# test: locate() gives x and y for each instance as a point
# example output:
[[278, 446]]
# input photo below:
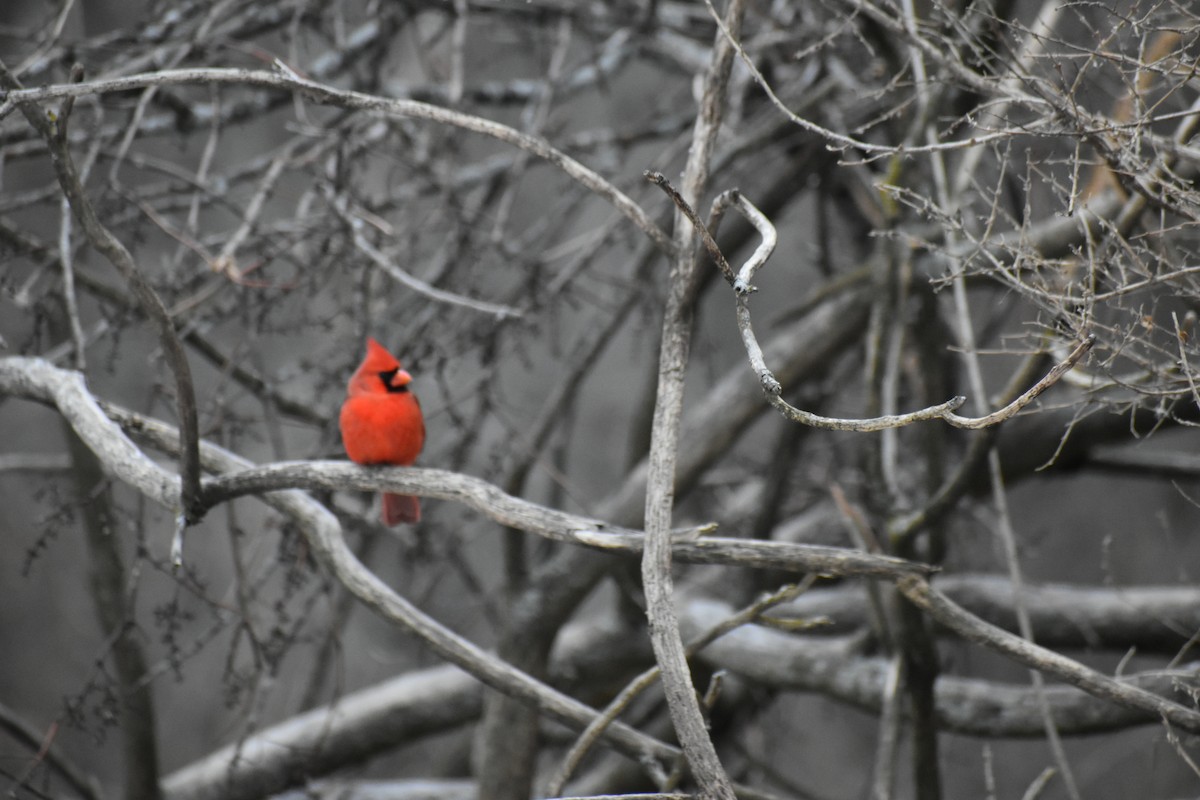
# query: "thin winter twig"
[[743, 287], [888, 743], [965, 330], [381, 260], [706, 236], [839, 141], [358, 101], [191, 504], [647, 679], [42, 743]]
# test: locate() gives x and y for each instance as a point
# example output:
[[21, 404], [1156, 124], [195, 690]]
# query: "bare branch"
[[40, 742], [646, 679], [837, 667], [36, 379], [657, 582], [191, 503], [355, 224], [710, 244], [772, 388], [950, 614], [359, 101]]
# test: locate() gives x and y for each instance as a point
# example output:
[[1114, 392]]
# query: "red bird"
[[381, 423]]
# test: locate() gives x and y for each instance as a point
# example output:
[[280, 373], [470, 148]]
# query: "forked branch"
[[743, 288]]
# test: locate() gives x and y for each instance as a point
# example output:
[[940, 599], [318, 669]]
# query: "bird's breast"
[[382, 429]]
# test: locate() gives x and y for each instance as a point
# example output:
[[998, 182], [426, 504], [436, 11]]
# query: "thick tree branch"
[[950, 614], [838, 667], [36, 379]]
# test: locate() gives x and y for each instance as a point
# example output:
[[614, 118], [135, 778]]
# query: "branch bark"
[[191, 502], [950, 614], [689, 721]]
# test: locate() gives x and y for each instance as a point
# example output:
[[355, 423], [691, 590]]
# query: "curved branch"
[[970, 627], [37, 379], [514, 512], [357, 101], [121, 459], [743, 287], [191, 501]]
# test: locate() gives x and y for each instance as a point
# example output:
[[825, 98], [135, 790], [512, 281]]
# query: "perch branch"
[[37, 379]]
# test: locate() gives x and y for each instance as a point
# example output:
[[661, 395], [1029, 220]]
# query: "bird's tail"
[[399, 508]]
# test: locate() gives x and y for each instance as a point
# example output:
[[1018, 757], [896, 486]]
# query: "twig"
[[743, 287], [1039, 783], [52, 34], [226, 261], [534, 118], [840, 141], [458, 46], [355, 225], [42, 743], [645, 680], [706, 236], [889, 733], [1012, 409], [113, 598], [67, 262], [191, 500], [341, 98], [66, 250], [944, 498], [967, 341], [1032, 47]]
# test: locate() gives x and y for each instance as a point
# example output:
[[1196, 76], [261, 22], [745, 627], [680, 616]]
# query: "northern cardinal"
[[381, 423]]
